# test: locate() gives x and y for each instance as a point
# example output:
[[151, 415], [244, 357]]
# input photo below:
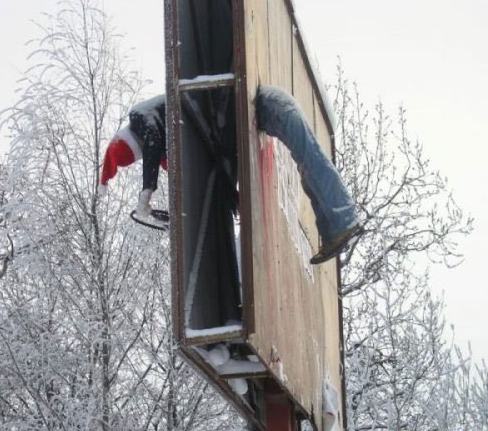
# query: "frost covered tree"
[[398, 359], [85, 335], [6, 244]]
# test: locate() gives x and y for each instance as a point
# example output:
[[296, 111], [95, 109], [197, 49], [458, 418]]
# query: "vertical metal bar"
[[173, 140], [242, 137]]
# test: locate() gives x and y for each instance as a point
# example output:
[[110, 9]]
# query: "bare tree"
[[397, 356], [85, 335], [6, 243]]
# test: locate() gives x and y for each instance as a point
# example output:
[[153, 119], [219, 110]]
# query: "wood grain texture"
[[304, 94], [295, 305], [280, 34]]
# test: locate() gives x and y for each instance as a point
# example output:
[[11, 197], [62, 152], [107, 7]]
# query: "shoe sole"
[[160, 217], [344, 245]]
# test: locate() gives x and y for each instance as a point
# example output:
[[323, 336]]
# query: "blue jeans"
[[279, 115]]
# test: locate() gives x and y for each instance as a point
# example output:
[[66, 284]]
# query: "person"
[[144, 138], [279, 115]]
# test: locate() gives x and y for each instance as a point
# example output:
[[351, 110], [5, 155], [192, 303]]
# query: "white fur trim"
[[131, 140]]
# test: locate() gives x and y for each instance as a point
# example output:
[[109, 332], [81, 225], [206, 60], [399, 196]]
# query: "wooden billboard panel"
[[296, 305], [280, 45], [246, 287], [304, 94]]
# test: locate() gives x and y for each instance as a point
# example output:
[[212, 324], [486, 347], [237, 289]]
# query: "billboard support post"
[[280, 413]]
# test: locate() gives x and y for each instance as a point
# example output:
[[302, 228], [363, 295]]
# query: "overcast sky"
[[429, 55]]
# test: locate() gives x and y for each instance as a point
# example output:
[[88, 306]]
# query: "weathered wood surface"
[[295, 305]]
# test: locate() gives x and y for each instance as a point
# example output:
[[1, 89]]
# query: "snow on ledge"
[[207, 78], [234, 366], [218, 330]]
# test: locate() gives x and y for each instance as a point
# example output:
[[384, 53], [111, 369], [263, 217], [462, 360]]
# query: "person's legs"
[[279, 115], [152, 151], [325, 184], [320, 220]]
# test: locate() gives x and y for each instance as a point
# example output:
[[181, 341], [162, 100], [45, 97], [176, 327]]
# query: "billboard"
[[249, 310]]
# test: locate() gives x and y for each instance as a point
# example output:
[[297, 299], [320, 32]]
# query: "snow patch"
[[148, 109], [219, 355], [218, 330], [238, 385], [207, 78], [234, 366], [330, 406]]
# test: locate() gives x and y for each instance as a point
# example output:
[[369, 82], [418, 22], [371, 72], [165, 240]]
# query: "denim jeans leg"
[[326, 185], [152, 149], [320, 220], [279, 115]]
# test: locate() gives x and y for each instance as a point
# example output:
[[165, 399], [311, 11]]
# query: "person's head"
[[122, 151]]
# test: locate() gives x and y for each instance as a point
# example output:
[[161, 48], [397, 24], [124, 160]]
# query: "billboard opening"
[[209, 181]]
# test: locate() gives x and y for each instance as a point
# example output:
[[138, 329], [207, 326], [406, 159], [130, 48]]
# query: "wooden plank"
[[174, 174], [211, 339], [256, 375], [288, 298], [304, 94], [300, 300], [291, 308], [325, 106], [312, 315], [256, 43], [280, 45], [321, 129], [207, 82], [256, 71]]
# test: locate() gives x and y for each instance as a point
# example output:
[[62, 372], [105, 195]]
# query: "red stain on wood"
[[267, 177], [266, 169]]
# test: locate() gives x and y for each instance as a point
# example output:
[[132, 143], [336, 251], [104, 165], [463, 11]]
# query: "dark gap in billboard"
[[206, 39], [209, 167]]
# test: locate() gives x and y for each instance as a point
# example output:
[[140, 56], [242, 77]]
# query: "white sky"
[[430, 56]]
